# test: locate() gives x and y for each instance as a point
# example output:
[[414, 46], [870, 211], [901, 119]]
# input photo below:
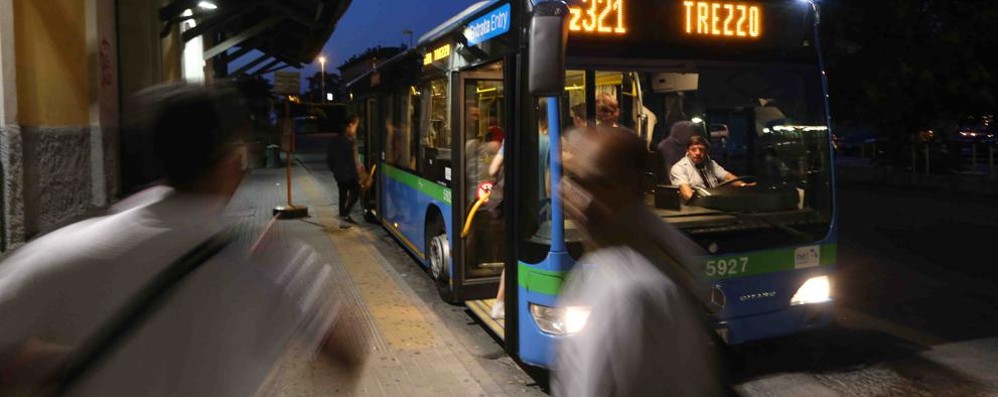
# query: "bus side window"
[[435, 132]]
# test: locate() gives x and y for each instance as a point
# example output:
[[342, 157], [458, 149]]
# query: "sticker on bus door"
[[484, 189], [805, 257]]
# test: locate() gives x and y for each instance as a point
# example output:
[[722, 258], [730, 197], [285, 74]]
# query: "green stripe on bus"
[[715, 268], [540, 281], [740, 265], [424, 186]]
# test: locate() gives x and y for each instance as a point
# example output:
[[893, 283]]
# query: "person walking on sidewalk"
[[159, 298], [344, 161], [646, 331]]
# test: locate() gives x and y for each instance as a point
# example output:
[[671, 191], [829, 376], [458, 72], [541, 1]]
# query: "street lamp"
[[322, 79]]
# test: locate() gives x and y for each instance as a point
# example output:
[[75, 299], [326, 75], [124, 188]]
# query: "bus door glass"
[[484, 130], [367, 125]]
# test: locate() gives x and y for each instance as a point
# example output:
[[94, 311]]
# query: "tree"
[[314, 90], [904, 65], [259, 95]]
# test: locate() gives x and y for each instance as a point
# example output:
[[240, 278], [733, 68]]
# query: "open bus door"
[[546, 79], [370, 153], [483, 114]]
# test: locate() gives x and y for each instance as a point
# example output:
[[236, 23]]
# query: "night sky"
[[368, 23]]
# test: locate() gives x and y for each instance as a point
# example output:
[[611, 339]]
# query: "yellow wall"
[[51, 60]]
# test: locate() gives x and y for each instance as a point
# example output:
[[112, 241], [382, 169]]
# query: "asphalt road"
[[916, 300]]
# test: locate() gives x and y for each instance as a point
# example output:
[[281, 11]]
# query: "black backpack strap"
[[136, 312]]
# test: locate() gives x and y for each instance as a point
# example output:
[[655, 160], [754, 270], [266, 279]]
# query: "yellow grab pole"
[[471, 214]]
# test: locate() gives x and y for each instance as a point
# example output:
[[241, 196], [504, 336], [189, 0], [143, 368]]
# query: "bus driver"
[[697, 170]]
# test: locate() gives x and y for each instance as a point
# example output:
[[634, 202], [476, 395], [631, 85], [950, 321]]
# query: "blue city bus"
[[746, 74]]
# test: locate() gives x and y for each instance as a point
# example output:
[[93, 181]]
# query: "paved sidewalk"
[[413, 352]]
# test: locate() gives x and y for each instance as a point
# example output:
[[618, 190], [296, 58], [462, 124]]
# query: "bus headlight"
[[559, 320], [814, 290]]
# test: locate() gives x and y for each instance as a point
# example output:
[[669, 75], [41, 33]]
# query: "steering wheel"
[[749, 178]]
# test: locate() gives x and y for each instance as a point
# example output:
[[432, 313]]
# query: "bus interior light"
[[814, 290], [559, 320]]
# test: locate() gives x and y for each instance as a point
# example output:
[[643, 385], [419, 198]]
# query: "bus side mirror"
[[548, 37]]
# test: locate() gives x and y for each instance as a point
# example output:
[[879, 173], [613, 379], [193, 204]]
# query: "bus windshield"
[[762, 126]]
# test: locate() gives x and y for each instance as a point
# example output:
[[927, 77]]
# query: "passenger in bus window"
[[495, 169], [607, 110], [494, 133], [698, 170], [645, 329], [579, 115], [394, 146], [673, 148]]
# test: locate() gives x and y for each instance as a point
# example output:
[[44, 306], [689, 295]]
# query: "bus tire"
[[439, 255]]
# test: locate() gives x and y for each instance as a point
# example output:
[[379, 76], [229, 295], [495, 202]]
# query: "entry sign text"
[[722, 19], [490, 25]]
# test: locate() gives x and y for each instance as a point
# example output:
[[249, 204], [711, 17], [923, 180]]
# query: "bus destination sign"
[[722, 19], [708, 19]]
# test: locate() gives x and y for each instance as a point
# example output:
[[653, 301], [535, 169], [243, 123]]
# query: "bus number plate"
[[726, 267]]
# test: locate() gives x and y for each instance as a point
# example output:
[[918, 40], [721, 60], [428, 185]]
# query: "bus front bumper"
[[791, 320]]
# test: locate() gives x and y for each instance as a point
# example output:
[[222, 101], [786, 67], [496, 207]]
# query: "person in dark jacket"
[[673, 148], [344, 162]]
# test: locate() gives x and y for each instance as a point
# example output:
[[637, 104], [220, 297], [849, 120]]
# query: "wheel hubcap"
[[438, 256]]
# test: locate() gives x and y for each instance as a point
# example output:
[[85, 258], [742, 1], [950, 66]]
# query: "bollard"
[[927, 169], [991, 162], [973, 157], [914, 164]]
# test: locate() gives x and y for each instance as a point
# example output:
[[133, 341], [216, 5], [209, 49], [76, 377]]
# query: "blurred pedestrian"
[[159, 298], [344, 160], [646, 331]]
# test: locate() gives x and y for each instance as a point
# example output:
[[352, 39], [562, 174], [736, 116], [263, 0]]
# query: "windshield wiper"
[[804, 237]]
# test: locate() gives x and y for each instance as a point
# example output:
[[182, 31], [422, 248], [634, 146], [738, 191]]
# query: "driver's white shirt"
[[684, 172]]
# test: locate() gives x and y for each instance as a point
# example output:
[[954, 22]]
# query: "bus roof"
[[387, 62], [454, 22]]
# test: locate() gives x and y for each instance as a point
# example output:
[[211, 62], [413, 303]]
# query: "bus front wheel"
[[440, 265]]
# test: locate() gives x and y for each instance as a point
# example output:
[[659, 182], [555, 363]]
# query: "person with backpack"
[[344, 161], [159, 297]]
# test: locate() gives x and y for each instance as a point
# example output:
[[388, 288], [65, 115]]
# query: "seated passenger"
[[697, 170], [673, 148], [607, 110]]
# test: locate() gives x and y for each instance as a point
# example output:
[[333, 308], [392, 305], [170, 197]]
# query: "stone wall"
[[58, 173], [11, 160]]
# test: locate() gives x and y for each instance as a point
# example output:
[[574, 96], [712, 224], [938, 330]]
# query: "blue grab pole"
[[557, 217]]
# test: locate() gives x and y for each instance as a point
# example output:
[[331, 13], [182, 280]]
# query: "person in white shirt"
[[646, 332], [220, 330]]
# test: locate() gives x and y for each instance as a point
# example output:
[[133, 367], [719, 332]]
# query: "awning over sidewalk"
[[287, 32]]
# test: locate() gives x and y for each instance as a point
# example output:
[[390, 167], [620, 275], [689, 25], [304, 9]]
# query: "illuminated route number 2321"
[[598, 16]]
